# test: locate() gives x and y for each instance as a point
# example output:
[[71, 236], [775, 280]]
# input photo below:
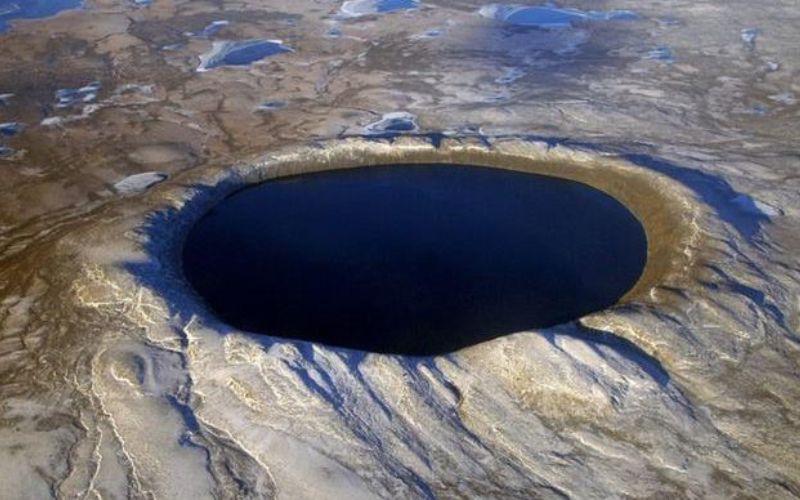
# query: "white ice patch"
[[749, 37], [86, 112], [756, 207], [139, 182], [210, 30], [549, 17], [786, 98], [358, 8], [397, 121], [66, 98], [10, 129], [271, 105]]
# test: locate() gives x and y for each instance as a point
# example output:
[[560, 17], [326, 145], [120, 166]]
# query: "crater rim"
[[664, 207]]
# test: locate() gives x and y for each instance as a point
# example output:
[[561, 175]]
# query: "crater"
[[415, 259]]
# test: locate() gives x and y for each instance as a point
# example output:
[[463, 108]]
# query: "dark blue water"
[[32, 9], [245, 53], [544, 17], [393, 5], [418, 260], [550, 17], [10, 129], [271, 105]]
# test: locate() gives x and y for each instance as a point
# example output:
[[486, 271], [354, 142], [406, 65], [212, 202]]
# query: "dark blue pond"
[[393, 5], [420, 260], [241, 53], [550, 17], [32, 9], [359, 8], [247, 54]]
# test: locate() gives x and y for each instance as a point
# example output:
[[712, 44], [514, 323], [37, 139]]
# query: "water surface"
[[32, 9], [413, 259]]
